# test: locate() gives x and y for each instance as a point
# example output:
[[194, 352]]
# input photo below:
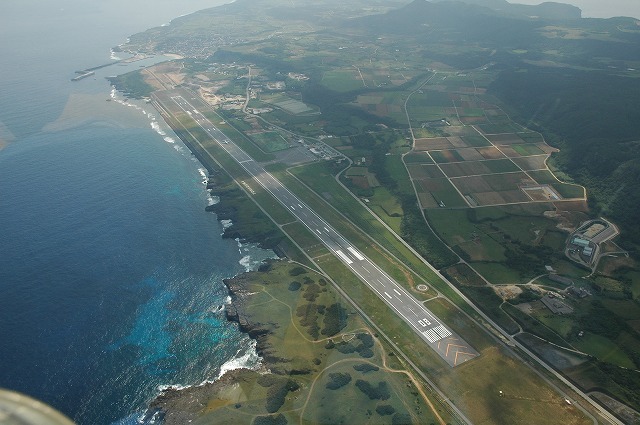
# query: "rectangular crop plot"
[[508, 181], [427, 200], [442, 191], [492, 182], [470, 154], [476, 140], [531, 137], [471, 112], [488, 198], [546, 148], [357, 171], [458, 130], [498, 128], [505, 139], [436, 143], [457, 142], [424, 171], [531, 162], [542, 193], [527, 150], [431, 99], [293, 106], [500, 197], [418, 158], [501, 166], [509, 151], [543, 176], [461, 169], [490, 153], [446, 156], [473, 120], [512, 196], [468, 185]]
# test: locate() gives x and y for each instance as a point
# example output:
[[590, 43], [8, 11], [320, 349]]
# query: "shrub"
[[277, 393], [338, 380], [296, 271], [335, 319], [380, 392], [385, 410], [366, 367], [294, 286]]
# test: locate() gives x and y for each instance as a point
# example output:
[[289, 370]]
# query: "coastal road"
[[450, 346]]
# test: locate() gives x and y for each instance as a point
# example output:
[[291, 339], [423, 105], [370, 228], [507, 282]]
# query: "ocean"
[[110, 268]]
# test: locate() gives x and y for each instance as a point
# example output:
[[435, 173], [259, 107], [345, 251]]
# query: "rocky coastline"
[[249, 224], [179, 405]]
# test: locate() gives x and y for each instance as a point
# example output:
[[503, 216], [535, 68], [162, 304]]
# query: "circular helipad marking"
[[422, 288]]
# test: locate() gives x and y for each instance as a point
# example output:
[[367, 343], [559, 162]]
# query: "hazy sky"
[[598, 8]]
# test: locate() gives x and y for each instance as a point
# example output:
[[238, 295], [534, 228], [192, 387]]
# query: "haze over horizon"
[[598, 8]]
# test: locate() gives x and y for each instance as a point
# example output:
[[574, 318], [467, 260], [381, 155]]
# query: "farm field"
[[482, 158]]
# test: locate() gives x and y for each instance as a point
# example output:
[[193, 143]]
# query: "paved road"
[[450, 346]]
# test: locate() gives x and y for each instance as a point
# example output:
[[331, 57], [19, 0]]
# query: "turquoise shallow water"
[[110, 269]]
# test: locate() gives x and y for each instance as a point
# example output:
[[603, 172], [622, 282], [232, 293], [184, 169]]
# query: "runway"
[[437, 335]]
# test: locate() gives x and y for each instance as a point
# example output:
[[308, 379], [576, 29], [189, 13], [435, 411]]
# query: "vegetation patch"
[[338, 380], [374, 392]]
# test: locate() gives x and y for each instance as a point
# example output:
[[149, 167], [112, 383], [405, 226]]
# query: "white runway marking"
[[343, 256], [355, 253]]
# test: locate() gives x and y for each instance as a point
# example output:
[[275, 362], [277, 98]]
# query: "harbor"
[[88, 72]]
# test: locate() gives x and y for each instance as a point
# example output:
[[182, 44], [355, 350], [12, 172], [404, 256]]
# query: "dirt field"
[[461, 169], [470, 154], [531, 162], [490, 153], [457, 142], [436, 143], [446, 156]]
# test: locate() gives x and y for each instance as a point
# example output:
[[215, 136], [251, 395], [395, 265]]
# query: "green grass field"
[[567, 190], [342, 80], [498, 273], [475, 385], [603, 349], [418, 158], [270, 141], [526, 150], [321, 350]]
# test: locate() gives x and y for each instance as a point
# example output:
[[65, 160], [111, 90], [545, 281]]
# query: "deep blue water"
[[110, 269]]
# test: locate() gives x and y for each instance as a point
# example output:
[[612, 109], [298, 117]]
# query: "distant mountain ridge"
[[462, 21], [546, 10]]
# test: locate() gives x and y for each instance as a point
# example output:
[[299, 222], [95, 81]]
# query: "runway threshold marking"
[[343, 256], [453, 345], [355, 253], [455, 361]]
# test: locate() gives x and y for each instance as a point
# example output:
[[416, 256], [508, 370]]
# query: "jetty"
[[83, 74], [91, 71]]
